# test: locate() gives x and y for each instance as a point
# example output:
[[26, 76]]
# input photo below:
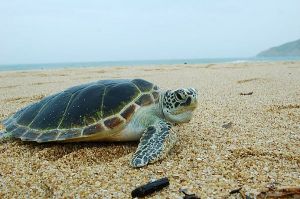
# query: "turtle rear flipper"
[[4, 136], [3, 133], [155, 143]]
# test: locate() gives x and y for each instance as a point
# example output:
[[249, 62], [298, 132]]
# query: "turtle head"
[[178, 105]]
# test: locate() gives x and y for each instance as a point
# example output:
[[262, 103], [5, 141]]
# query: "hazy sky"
[[33, 31]]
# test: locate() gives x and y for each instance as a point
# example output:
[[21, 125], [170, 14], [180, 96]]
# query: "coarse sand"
[[245, 133]]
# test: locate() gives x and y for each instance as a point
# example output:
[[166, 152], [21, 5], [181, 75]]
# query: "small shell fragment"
[[249, 93], [189, 196], [227, 125], [235, 191]]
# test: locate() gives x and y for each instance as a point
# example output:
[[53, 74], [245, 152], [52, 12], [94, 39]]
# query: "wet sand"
[[245, 133]]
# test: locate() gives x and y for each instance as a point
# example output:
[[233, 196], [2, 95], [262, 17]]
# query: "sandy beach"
[[245, 133]]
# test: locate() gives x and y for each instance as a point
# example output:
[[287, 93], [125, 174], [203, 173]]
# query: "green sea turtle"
[[108, 110]]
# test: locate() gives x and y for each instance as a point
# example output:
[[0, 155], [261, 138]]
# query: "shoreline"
[[201, 65], [147, 63]]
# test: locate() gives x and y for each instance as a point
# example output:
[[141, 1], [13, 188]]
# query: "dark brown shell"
[[82, 111]]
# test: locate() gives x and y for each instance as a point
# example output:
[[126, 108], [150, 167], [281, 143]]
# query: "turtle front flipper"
[[155, 143]]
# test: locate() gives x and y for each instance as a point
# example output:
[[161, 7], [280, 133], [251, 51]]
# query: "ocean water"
[[45, 66]]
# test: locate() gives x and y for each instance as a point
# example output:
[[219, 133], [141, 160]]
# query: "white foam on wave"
[[239, 61]]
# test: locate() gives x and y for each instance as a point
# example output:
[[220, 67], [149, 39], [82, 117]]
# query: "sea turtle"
[[108, 110]]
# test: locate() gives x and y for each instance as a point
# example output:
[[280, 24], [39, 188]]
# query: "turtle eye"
[[179, 96]]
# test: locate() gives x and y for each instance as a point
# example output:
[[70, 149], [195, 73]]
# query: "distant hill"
[[288, 49]]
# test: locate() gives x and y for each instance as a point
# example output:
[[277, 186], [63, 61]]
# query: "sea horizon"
[[154, 62]]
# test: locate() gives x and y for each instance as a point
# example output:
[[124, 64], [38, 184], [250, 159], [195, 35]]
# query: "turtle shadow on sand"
[[88, 153]]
